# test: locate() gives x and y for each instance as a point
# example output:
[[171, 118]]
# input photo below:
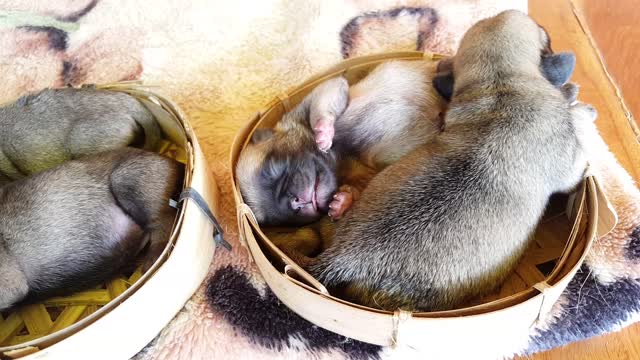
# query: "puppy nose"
[[296, 203]]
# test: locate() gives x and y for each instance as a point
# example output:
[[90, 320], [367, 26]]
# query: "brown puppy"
[[79, 224]]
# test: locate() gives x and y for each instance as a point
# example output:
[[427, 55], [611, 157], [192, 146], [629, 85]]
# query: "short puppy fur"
[[288, 175], [45, 129], [286, 180], [450, 220], [79, 224]]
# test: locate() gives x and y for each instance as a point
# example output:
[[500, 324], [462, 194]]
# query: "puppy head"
[[284, 178], [508, 42]]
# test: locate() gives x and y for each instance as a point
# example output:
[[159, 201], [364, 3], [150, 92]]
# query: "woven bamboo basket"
[[128, 312], [561, 242]]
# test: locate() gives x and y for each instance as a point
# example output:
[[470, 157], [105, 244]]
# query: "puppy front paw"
[[342, 201], [328, 101]]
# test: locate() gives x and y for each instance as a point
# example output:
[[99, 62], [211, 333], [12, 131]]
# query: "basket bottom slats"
[[31, 322]]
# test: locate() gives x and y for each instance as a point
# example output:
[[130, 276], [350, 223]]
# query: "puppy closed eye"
[[273, 169]]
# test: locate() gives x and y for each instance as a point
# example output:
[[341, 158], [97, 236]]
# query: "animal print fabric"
[[221, 62]]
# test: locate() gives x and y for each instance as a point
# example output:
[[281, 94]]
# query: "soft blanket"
[[221, 62]]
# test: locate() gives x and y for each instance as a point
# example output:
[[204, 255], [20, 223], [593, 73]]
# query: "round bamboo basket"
[[561, 242], [128, 312]]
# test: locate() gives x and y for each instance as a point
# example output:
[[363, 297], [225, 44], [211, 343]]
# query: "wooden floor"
[[613, 27]]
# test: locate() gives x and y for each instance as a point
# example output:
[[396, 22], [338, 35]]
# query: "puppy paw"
[[323, 132], [342, 201]]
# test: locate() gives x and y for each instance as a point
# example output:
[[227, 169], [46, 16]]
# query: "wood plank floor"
[[614, 25], [564, 20]]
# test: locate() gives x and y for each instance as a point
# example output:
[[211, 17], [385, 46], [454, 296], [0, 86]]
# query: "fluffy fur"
[[80, 223], [458, 211], [47, 128], [383, 117]]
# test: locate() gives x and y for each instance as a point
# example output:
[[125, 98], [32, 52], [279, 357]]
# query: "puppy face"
[[284, 178]]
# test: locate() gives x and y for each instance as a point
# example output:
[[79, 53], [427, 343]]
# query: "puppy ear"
[[443, 83], [557, 68], [260, 135], [443, 80]]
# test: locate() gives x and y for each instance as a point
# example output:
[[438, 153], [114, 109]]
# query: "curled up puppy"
[[80, 223], [45, 129], [449, 221], [378, 120], [290, 175]]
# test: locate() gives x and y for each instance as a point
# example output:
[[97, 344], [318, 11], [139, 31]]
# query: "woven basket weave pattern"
[[31, 322]]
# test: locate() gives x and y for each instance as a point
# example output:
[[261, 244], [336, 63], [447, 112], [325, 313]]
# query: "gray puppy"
[[78, 224], [47, 128], [449, 221]]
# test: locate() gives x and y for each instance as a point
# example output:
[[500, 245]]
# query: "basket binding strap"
[[588, 171], [244, 211], [546, 304], [399, 318], [428, 55], [193, 194]]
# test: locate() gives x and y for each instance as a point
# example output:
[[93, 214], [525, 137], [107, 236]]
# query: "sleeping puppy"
[[42, 130], [449, 221], [284, 177], [288, 175], [77, 225]]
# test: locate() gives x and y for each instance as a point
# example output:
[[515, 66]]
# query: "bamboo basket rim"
[[600, 219], [140, 92]]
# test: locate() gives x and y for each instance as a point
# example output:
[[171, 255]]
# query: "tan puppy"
[[288, 175], [383, 117], [450, 220]]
